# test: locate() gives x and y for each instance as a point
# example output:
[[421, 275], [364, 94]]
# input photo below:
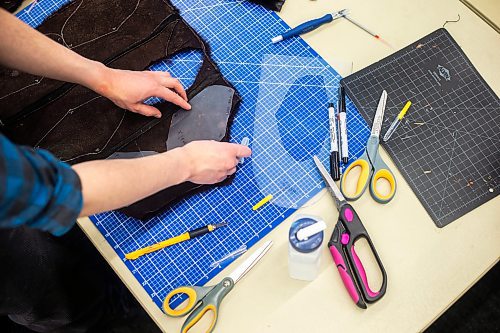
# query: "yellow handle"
[[404, 110], [362, 180], [177, 239], [387, 175], [192, 299], [190, 322]]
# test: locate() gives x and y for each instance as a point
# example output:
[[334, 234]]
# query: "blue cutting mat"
[[285, 90]]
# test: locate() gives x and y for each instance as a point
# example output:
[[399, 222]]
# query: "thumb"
[[241, 150]]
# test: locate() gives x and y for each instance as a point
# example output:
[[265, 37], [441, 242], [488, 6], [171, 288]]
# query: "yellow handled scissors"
[[203, 299], [372, 166]]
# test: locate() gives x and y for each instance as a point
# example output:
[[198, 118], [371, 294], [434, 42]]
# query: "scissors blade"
[[330, 184], [248, 264], [379, 115]]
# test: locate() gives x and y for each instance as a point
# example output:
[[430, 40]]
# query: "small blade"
[[330, 184], [248, 264], [379, 115], [340, 13], [220, 225]]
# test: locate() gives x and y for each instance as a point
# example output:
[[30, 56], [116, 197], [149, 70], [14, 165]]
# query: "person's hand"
[[128, 90], [210, 162]]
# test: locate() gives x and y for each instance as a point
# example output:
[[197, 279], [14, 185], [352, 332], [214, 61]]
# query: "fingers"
[[221, 179], [177, 86], [178, 96], [159, 74], [171, 96], [147, 110], [231, 171], [241, 150], [169, 82]]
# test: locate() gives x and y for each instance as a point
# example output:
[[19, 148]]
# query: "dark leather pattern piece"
[[207, 119], [149, 207], [120, 25], [78, 125], [10, 5], [82, 125], [270, 4]]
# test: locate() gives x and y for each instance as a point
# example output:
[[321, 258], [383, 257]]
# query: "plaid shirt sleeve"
[[37, 190]]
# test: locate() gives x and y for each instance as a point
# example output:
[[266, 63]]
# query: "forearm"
[[112, 184], [27, 50]]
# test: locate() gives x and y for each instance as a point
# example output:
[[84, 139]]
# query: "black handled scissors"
[[347, 231]]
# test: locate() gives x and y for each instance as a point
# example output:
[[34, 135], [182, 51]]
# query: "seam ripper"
[[397, 121], [310, 25]]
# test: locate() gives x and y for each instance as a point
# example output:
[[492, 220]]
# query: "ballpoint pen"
[[310, 25], [396, 121], [334, 146], [344, 147]]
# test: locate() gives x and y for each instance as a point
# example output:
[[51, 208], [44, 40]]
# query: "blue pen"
[[310, 25]]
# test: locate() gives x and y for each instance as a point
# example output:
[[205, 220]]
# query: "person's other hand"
[[129, 89], [210, 162]]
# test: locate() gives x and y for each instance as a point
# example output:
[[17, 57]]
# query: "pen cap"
[[404, 110], [341, 102], [334, 165]]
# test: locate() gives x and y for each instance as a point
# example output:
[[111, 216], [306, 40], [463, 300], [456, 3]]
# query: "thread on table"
[[452, 21]]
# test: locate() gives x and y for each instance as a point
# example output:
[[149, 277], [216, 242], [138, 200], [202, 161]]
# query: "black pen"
[[334, 146], [344, 149]]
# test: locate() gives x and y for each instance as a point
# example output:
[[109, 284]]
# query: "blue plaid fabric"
[[37, 190]]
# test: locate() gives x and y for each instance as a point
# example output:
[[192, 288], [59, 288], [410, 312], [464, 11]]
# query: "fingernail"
[[158, 115]]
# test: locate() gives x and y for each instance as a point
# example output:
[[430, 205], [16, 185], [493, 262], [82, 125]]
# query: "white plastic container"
[[304, 247]]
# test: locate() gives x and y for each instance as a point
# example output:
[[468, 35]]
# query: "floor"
[[477, 311]]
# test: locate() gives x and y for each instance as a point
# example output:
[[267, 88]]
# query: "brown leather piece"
[[76, 124], [10, 5], [83, 125], [121, 24]]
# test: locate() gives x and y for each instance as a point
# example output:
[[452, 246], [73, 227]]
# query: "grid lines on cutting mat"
[[239, 35], [448, 145]]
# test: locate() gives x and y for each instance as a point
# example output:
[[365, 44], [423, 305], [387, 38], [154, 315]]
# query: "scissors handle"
[[382, 171], [362, 182], [357, 231], [202, 299], [194, 295], [373, 168], [347, 231], [340, 260]]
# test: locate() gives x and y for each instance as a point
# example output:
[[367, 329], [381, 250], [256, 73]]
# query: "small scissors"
[[347, 231], [372, 166], [203, 299]]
